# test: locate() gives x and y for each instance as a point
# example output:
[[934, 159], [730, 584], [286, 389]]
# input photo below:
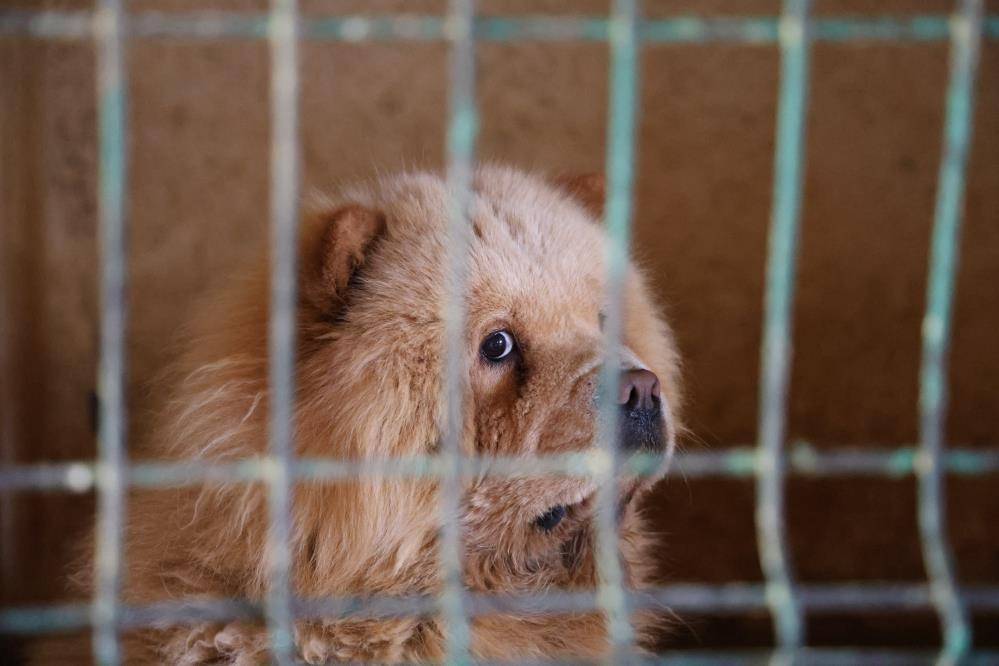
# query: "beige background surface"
[[198, 201]]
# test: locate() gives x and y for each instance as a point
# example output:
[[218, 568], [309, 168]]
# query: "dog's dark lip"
[[551, 518], [569, 508]]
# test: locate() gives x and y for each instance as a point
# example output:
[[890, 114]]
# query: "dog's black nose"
[[641, 424], [639, 390]]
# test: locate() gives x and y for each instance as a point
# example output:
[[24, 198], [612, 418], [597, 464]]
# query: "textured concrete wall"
[[199, 175]]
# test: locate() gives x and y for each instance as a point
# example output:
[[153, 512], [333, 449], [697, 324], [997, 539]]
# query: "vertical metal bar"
[[966, 34], [462, 129], [283, 32], [112, 176], [620, 169], [776, 348]]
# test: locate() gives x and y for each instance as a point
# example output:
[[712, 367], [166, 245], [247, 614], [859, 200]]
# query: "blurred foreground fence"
[[769, 461]]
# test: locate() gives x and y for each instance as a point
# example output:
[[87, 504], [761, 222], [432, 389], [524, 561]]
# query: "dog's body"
[[369, 366]]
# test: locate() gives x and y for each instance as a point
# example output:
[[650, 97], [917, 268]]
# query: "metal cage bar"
[[111, 452], [966, 30], [738, 462], [283, 30], [620, 161], [426, 27], [692, 598], [461, 133], [775, 352]]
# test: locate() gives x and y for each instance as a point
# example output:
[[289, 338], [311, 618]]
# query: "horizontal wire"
[[686, 598], [808, 655], [416, 27], [739, 462]]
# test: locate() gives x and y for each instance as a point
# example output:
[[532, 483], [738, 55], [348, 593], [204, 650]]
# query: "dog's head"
[[374, 288]]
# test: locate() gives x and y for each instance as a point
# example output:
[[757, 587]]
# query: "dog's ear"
[[341, 241], [588, 189]]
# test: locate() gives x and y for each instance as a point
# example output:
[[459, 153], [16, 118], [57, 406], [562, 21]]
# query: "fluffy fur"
[[369, 362]]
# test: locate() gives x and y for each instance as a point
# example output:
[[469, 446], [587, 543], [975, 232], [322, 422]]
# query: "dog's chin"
[[654, 466], [629, 485], [630, 490]]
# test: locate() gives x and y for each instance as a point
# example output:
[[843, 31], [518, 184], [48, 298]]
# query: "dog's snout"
[[641, 418], [639, 390]]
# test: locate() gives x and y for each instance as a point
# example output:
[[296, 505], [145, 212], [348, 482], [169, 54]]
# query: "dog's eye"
[[497, 346], [551, 518]]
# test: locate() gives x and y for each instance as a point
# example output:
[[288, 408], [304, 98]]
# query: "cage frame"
[[769, 461]]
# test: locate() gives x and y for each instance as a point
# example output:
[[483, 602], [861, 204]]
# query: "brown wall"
[[198, 200]]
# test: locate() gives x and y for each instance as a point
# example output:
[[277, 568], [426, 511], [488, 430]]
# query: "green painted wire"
[[113, 175], [966, 34], [775, 351], [283, 31], [461, 133], [429, 27], [737, 462], [623, 112]]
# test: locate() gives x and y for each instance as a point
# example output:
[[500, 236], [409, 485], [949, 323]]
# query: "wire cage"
[[769, 462]]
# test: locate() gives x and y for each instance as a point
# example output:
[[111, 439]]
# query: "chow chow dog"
[[368, 378]]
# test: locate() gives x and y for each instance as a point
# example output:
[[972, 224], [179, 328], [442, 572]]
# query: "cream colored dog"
[[369, 364]]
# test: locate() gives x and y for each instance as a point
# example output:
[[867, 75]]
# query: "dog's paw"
[[233, 644], [382, 641]]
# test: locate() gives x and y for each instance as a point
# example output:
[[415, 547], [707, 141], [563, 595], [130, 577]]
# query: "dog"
[[369, 366]]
